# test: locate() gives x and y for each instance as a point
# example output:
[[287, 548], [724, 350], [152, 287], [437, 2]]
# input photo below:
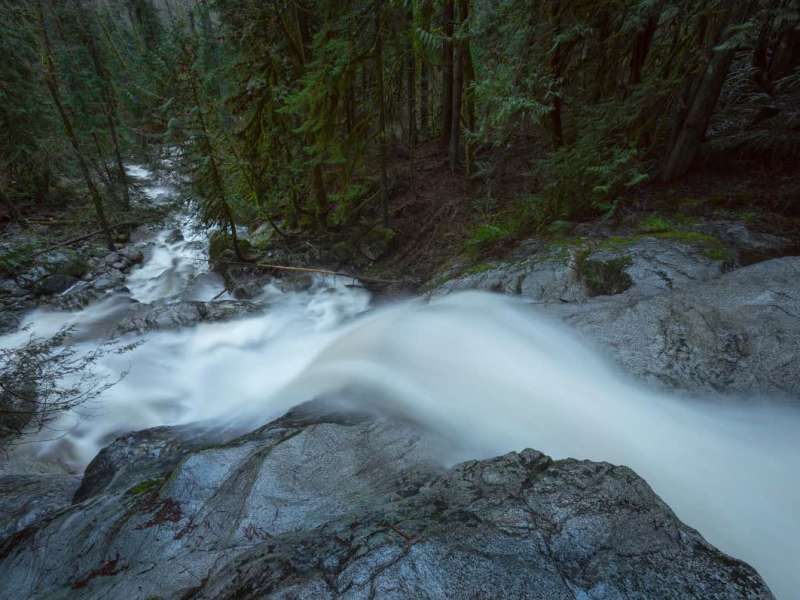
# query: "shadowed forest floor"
[[434, 212]]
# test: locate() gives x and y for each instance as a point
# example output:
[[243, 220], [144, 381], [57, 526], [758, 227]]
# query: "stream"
[[489, 374]]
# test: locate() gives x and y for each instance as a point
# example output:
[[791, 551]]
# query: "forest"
[[426, 299], [337, 121]]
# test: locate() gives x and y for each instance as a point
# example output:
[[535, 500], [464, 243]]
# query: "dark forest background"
[[346, 120]]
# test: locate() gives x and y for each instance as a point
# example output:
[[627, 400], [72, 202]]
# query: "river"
[[489, 374]]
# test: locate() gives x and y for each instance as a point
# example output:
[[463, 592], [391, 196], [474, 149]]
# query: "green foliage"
[[144, 487], [28, 150], [281, 110], [484, 236], [655, 224], [587, 179]]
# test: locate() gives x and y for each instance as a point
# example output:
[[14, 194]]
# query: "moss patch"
[[712, 247], [654, 223], [603, 277], [479, 268], [145, 486], [484, 237]]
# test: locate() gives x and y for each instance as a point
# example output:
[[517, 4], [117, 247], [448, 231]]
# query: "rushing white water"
[[489, 374]]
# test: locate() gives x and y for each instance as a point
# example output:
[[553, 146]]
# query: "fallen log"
[[80, 239]]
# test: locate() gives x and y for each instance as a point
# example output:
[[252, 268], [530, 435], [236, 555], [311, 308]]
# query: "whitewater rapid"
[[488, 373]]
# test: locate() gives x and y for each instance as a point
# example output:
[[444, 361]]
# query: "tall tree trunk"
[[642, 42], [556, 72], [51, 80], [469, 77], [300, 43], [106, 172], [350, 108], [320, 193], [216, 176], [702, 101], [109, 103], [317, 174], [448, 13], [424, 76], [382, 109], [458, 90], [600, 85], [786, 53], [412, 85], [760, 58]]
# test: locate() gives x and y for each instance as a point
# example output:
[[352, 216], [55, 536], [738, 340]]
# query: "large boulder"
[[323, 503], [63, 261], [637, 266], [55, 284], [737, 333]]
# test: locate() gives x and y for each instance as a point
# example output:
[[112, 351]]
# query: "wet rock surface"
[[67, 280], [634, 264], [681, 311], [737, 333], [24, 499], [326, 504], [164, 315], [576, 274]]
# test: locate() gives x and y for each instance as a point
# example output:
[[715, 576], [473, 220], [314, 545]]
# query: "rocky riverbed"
[[325, 503], [340, 498]]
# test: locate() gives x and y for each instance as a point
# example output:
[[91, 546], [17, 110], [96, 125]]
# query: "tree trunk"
[[382, 108], [556, 71], [106, 172], [785, 55], [320, 194], [412, 85], [448, 14], [760, 59], [51, 80], [469, 77], [701, 104], [642, 43], [458, 91], [216, 176], [302, 55], [109, 102], [350, 108], [424, 76], [600, 85]]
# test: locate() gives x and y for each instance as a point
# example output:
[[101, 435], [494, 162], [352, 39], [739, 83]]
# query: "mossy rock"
[[61, 261], [219, 242], [712, 247], [262, 237], [65, 262], [604, 277]]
